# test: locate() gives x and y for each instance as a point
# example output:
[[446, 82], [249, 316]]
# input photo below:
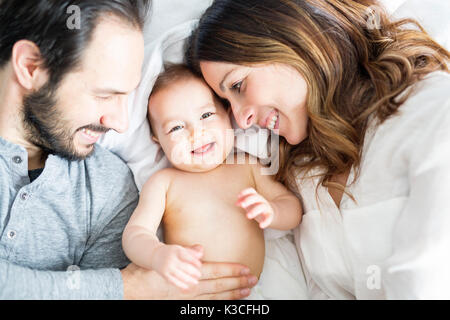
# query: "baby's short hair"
[[172, 74]]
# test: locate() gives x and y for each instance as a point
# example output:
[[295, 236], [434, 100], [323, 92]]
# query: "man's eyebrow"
[[110, 91], [222, 86]]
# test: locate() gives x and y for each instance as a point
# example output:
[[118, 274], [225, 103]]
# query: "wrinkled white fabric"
[[394, 241], [282, 276]]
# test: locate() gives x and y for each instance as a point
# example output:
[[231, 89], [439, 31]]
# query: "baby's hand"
[[256, 206], [178, 265]]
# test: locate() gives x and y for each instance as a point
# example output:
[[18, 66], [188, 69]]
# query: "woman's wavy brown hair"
[[355, 65]]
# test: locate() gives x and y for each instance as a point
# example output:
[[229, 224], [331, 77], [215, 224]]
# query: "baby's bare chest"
[[196, 200], [202, 210]]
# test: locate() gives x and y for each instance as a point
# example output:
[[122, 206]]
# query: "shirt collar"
[[8, 148]]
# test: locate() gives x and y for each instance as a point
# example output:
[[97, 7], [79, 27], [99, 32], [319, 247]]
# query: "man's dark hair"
[[44, 22]]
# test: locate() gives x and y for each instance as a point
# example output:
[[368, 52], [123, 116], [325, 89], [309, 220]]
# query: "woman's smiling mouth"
[[272, 121]]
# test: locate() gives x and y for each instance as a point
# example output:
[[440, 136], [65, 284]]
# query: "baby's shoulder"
[[160, 179]]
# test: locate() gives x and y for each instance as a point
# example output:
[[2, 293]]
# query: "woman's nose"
[[245, 118]]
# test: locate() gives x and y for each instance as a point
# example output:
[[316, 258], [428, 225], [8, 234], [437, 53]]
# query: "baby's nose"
[[197, 133]]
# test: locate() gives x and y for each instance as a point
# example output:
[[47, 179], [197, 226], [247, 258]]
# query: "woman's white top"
[[394, 242]]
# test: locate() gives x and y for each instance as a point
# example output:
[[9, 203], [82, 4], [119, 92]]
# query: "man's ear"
[[27, 63]]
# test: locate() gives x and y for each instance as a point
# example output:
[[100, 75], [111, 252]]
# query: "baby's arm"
[[270, 203], [179, 265]]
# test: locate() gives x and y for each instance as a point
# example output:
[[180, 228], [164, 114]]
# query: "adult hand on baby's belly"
[[219, 281], [178, 265], [230, 237]]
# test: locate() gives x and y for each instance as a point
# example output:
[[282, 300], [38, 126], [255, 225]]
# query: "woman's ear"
[[27, 64]]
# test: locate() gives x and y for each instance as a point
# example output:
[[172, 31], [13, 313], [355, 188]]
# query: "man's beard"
[[45, 128]]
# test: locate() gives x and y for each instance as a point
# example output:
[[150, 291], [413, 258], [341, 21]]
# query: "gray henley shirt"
[[61, 236]]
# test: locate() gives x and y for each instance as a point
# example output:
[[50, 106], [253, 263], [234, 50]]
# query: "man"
[[64, 201]]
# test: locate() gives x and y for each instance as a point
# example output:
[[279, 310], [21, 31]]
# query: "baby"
[[204, 199]]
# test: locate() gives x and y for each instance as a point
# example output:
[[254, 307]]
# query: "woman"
[[364, 111]]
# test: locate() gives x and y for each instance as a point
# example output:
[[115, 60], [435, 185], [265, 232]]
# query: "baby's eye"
[[107, 98], [175, 129], [237, 86], [207, 115]]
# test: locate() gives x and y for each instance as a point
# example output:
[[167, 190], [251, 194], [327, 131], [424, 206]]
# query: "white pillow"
[[170, 23], [433, 15], [392, 5]]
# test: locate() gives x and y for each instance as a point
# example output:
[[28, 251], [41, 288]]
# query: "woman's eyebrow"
[[222, 86]]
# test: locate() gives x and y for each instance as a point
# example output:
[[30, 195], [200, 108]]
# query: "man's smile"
[[89, 136]]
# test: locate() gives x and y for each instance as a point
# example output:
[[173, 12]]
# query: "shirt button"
[[24, 196], [17, 160], [11, 234]]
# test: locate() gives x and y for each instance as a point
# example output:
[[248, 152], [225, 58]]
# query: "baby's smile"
[[207, 148]]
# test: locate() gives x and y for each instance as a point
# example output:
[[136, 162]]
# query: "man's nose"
[[116, 117]]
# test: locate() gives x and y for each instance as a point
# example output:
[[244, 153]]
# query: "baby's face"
[[191, 125]]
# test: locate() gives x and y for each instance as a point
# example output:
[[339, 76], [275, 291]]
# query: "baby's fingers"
[[177, 282], [182, 279], [266, 221], [261, 213], [191, 270], [191, 257], [246, 192], [249, 200], [257, 210]]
